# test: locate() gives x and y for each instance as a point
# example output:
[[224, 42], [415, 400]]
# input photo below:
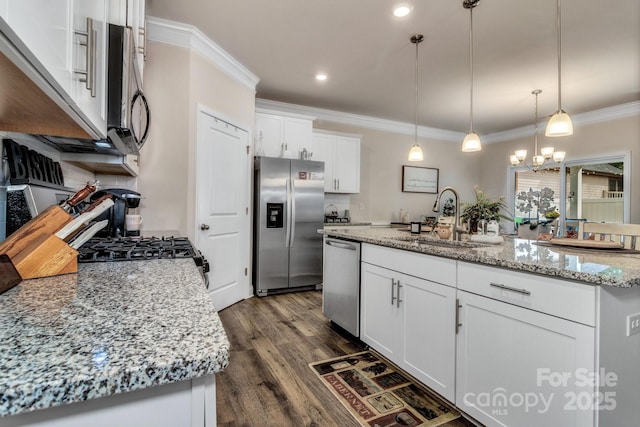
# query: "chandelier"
[[546, 153]]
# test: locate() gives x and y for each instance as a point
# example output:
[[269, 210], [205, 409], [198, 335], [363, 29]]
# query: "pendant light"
[[415, 154], [560, 123], [546, 153], [472, 140]]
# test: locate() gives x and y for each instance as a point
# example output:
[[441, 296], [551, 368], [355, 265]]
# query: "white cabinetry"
[[65, 41], [522, 367], [409, 319], [283, 136], [89, 50], [341, 157]]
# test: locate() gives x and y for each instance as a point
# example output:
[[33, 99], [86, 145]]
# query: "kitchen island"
[[515, 334], [123, 343], [619, 268]]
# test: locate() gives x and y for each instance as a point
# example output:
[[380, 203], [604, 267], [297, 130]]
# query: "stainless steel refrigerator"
[[288, 212]]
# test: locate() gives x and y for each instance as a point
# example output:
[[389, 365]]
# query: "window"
[[589, 189]]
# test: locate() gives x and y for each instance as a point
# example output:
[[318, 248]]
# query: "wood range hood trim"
[[30, 99]]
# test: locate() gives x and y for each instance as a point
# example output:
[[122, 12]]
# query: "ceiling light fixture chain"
[[471, 142], [415, 154]]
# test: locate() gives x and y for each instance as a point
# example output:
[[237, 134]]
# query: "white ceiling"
[[371, 63]]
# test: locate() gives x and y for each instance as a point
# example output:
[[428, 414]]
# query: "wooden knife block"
[[35, 250]]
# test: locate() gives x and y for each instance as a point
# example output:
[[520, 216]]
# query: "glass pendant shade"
[[538, 160], [415, 154], [521, 154], [547, 152], [514, 160], [558, 156], [559, 125], [471, 143]]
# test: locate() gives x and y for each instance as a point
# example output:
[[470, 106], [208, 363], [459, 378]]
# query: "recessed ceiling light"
[[402, 10], [321, 77]]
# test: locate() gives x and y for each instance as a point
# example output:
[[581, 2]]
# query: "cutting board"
[[596, 244]]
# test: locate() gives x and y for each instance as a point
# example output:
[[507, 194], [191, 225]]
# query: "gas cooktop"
[[104, 249]]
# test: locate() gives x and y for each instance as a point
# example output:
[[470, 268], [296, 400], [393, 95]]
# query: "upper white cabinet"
[[131, 13], [46, 29], [341, 157], [66, 42], [89, 63], [283, 136]]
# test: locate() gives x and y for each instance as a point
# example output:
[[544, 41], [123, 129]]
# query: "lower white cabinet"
[[411, 321], [519, 367]]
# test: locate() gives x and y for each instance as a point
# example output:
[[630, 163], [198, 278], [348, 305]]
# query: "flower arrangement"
[[542, 201], [485, 208]]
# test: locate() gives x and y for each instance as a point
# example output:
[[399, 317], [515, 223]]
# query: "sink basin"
[[421, 240]]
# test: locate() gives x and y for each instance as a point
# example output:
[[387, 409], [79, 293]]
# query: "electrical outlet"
[[633, 324], [361, 206]]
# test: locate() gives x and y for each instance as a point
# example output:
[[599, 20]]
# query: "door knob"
[[204, 226]]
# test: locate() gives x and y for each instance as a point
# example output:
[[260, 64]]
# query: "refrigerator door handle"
[[287, 238], [292, 184]]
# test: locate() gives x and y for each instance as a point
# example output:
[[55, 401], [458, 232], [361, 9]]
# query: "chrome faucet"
[[457, 228]]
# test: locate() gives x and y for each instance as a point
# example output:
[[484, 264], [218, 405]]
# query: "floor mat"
[[379, 395]]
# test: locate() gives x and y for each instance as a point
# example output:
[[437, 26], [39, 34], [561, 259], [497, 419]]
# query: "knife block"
[[35, 250]]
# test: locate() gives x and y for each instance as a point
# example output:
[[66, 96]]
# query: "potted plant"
[[484, 208], [542, 201]]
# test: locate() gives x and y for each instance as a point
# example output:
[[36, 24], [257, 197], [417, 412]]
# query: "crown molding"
[[591, 117], [189, 37], [367, 122], [361, 121]]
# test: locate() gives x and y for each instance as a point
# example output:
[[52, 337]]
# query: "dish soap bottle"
[[493, 228]]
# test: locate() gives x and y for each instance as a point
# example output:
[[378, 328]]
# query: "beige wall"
[[588, 141], [382, 157], [384, 153], [176, 81]]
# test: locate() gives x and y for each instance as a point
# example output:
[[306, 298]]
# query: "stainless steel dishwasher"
[[341, 284]]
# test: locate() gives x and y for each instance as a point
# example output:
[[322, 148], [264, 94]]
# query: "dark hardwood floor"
[[268, 382]]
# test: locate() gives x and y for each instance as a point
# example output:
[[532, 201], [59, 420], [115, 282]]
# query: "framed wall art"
[[419, 180]]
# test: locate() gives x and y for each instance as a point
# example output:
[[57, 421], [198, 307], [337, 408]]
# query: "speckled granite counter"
[[600, 267], [110, 328], [346, 224]]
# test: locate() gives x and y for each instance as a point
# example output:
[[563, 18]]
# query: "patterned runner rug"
[[378, 395]]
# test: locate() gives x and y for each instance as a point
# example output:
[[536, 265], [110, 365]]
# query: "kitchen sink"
[[422, 240]]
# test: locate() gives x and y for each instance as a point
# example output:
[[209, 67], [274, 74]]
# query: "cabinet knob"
[[204, 226]]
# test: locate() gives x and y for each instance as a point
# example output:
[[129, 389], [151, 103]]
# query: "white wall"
[[588, 141], [177, 80], [382, 156]]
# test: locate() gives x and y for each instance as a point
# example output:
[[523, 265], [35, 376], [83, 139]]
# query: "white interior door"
[[222, 208]]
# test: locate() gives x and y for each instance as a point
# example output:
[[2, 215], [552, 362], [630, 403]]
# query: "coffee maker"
[[123, 200]]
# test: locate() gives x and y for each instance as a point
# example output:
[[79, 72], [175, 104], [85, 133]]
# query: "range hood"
[[34, 105]]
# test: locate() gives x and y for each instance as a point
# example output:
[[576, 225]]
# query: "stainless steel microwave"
[[128, 115]]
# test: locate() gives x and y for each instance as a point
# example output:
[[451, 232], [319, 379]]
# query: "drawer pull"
[[393, 296], [509, 288]]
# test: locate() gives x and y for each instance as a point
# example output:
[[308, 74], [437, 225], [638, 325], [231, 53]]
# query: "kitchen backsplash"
[[340, 201], [74, 177]]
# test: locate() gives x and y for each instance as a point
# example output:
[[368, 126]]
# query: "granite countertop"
[[343, 224], [110, 328], [619, 268]]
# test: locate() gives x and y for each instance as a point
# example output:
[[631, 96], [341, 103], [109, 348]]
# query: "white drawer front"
[[435, 269], [561, 298]]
